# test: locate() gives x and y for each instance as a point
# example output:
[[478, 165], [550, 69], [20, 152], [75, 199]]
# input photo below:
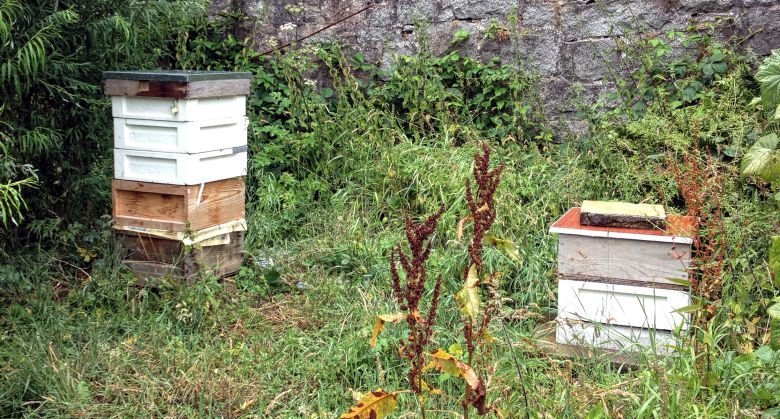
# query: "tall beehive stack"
[[622, 271], [180, 154]]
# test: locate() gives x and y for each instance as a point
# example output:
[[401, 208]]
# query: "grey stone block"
[[764, 23], [478, 9], [590, 60], [605, 18]]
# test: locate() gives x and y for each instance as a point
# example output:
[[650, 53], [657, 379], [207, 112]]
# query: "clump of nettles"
[[410, 293]]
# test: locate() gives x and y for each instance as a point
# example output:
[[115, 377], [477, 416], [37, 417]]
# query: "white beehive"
[[180, 151], [179, 168], [621, 286], [180, 137]]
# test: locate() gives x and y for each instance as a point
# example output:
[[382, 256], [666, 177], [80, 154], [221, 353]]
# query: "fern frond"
[[9, 11], [39, 141], [21, 71], [12, 205]]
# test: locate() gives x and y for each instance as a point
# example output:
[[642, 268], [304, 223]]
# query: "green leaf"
[[768, 76], [774, 325], [762, 160], [688, 309], [774, 259], [720, 68], [506, 247], [326, 92], [679, 281], [468, 296], [765, 354], [83, 391]]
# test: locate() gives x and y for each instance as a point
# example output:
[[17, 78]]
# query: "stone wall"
[[566, 42]]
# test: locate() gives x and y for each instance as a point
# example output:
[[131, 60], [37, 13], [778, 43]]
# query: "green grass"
[[330, 183], [108, 349]]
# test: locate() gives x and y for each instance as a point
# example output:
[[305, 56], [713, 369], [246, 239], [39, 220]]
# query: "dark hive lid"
[[176, 75]]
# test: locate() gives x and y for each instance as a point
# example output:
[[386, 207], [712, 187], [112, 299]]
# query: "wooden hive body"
[[177, 208], [152, 257], [621, 285]]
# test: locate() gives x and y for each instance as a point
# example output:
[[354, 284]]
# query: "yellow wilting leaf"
[[461, 225], [504, 246], [427, 389], [374, 405], [379, 324], [444, 362], [468, 296]]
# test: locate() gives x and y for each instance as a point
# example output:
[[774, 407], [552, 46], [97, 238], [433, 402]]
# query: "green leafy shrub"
[[55, 122]]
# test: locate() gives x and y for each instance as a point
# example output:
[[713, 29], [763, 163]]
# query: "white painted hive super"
[[180, 137], [180, 168], [178, 110]]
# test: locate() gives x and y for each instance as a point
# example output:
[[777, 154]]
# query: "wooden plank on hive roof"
[[680, 229], [622, 214]]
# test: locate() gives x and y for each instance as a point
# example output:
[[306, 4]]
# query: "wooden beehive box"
[[172, 95], [152, 257], [177, 208], [624, 255]]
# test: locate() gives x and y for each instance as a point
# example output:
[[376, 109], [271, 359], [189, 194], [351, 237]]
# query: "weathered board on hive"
[[177, 208], [622, 214], [150, 257], [642, 261], [649, 256], [177, 84]]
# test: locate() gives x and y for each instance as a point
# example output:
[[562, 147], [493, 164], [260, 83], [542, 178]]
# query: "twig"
[[89, 277], [275, 401], [320, 30]]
